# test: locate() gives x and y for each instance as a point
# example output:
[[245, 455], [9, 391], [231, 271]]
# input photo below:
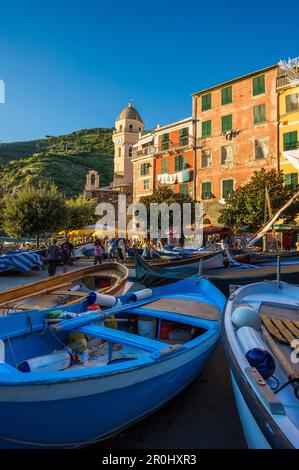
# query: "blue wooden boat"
[[136, 373], [260, 335]]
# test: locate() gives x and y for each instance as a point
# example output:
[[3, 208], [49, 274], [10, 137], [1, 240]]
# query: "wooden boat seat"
[[115, 336], [185, 307], [281, 329]]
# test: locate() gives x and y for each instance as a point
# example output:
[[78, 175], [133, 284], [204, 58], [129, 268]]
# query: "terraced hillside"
[[63, 160]]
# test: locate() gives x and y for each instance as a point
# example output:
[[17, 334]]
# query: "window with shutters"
[[227, 188], [292, 103], [144, 169], [226, 95], [206, 159], [184, 188], [227, 123], [261, 148], [184, 136], [226, 154], [206, 129], [206, 102], [291, 180], [164, 165], [179, 162], [259, 114], [290, 140], [206, 190], [145, 184], [165, 142], [258, 85]]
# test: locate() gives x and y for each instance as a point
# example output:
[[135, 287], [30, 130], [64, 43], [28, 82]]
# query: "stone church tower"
[[128, 126]]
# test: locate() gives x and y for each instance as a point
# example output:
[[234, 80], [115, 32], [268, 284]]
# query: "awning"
[[293, 157]]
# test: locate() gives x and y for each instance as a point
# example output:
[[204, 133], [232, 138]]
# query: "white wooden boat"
[[265, 317]]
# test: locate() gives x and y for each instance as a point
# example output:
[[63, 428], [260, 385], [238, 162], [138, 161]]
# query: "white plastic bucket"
[[147, 327]]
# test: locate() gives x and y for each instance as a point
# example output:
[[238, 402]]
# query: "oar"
[[94, 316]]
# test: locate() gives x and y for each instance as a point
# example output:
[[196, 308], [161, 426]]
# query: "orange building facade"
[[174, 157], [236, 134], [165, 157]]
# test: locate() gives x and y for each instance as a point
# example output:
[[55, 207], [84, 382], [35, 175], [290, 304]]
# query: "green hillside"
[[63, 160]]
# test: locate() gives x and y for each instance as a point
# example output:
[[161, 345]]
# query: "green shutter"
[[226, 95], [165, 141], [258, 85], [290, 140], [291, 179], [184, 132], [145, 184], [206, 102], [184, 136], [259, 113], [144, 169], [227, 187], [206, 129], [164, 166], [206, 190], [179, 162], [227, 123], [184, 188]]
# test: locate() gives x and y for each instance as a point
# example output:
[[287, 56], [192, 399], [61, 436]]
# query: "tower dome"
[[129, 113]]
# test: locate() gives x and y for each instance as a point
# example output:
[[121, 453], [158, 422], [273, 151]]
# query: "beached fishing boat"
[[62, 289], [155, 344], [237, 274], [261, 339], [188, 266]]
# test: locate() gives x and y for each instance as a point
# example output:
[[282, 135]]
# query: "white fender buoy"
[[246, 316]]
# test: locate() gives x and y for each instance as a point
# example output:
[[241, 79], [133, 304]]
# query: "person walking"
[[52, 256], [98, 251], [66, 252]]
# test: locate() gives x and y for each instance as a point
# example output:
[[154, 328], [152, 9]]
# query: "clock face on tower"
[[120, 141]]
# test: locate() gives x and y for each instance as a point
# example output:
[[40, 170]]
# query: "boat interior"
[[277, 306], [62, 292], [162, 327]]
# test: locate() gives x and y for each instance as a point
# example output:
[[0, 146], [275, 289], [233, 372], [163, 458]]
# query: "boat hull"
[[73, 414], [254, 437]]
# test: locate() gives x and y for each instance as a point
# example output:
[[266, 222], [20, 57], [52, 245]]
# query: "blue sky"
[[73, 64]]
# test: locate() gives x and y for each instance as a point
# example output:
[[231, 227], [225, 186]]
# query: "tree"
[[34, 210], [80, 212], [166, 195], [246, 206]]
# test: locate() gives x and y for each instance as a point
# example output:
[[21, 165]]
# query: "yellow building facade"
[[288, 120]]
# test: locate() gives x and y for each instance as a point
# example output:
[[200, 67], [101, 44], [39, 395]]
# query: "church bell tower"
[[128, 126]]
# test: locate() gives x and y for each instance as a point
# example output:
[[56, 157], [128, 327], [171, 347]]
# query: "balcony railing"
[[169, 146], [174, 144], [207, 195]]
